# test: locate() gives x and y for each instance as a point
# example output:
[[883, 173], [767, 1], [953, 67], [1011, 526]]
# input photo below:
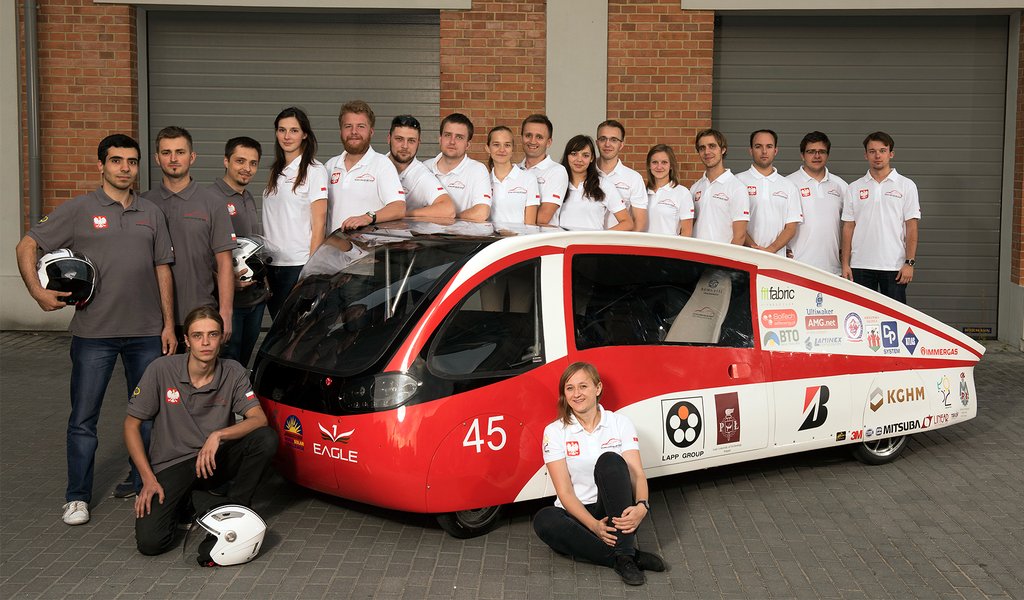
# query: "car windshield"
[[357, 293]]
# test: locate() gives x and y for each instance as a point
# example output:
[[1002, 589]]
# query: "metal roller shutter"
[[936, 84], [222, 75]]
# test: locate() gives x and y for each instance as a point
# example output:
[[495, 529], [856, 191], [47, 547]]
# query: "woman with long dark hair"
[[589, 199], [515, 194], [669, 205], [294, 204]]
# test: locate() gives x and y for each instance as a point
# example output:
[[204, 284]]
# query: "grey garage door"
[[936, 84], [222, 75]]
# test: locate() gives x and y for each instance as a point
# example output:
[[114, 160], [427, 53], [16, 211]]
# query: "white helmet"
[[68, 271], [249, 255], [235, 535]]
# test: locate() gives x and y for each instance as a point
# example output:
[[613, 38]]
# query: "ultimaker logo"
[[777, 293], [815, 399]]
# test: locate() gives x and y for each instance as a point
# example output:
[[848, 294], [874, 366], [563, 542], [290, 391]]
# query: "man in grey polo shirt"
[[131, 314], [196, 443], [200, 231], [241, 161]]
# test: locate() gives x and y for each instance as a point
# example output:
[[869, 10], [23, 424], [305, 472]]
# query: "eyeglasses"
[[603, 139], [816, 152]]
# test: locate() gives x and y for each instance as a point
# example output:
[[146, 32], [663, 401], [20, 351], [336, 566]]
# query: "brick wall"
[[87, 90], [659, 78], [1017, 250], [493, 64]]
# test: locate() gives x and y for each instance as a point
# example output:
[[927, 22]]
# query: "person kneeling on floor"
[[593, 458], [196, 444]]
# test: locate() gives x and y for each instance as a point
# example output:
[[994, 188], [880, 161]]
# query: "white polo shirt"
[[509, 198], [817, 239], [371, 185], [421, 187], [287, 218], [667, 207], [717, 204], [468, 183], [580, 449], [881, 211], [630, 185], [552, 178], [581, 212], [774, 203]]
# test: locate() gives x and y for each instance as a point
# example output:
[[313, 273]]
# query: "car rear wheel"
[[470, 523], [879, 452]]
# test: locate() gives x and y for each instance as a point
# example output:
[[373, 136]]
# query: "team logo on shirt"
[[456, 185], [722, 196], [250, 395], [541, 180], [780, 194], [44, 219], [894, 194], [696, 197], [834, 192], [572, 448], [99, 222], [173, 396], [864, 194], [805, 192], [367, 177], [751, 190], [622, 185], [611, 443], [517, 190], [335, 177], [231, 209]]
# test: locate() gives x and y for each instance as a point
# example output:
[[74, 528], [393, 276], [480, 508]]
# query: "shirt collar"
[[185, 193], [227, 190], [893, 176], [541, 166], [294, 165], [456, 170], [106, 200], [363, 161], [183, 376], [575, 426], [771, 177]]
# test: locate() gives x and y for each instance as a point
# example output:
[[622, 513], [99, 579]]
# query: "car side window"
[[623, 300], [496, 329]]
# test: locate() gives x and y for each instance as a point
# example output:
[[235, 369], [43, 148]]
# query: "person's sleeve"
[[739, 203], [848, 209], [554, 442], [222, 232], [163, 251], [481, 191], [389, 186], [630, 440], [612, 198], [556, 182], [911, 202], [794, 211], [638, 193], [145, 401], [685, 202], [532, 190], [427, 186], [316, 177], [242, 396], [57, 229]]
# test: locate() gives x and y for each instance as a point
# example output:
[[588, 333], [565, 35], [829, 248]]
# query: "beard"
[[356, 147]]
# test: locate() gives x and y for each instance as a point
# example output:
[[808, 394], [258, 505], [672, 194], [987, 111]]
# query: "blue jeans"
[[92, 364], [281, 280], [883, 282], [245, 330]]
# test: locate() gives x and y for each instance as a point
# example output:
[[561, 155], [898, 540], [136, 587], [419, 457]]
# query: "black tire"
[[465, 524], [882, 451]]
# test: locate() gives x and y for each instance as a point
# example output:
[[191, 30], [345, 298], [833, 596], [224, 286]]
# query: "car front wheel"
[[470, 523], [879, 452]]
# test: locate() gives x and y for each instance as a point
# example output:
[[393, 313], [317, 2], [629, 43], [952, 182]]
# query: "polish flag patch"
[[99, 222], [231, 209], [805, 192], [864, 194], [335, 177], [751, 190], [572, 448], [173, 396]]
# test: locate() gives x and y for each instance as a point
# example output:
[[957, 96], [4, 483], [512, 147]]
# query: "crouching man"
[[196, 444]]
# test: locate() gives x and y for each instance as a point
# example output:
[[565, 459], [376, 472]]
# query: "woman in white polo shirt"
[[294, 204], [669, 205], [589, 198], [515, 194], [593, 459]]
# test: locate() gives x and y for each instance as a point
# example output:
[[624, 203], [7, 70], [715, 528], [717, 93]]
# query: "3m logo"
[[815, 398], [572, 448]]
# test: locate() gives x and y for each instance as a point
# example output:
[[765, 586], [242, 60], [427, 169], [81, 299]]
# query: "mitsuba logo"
[[815, 399], [572, 448]]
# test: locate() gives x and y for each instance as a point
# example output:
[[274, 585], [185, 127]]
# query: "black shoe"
[[628, 570], [126, 489], [648, 561]]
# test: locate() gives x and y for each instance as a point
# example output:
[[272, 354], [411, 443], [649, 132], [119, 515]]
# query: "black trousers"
[[883, 282], [560, 530], [240, 463]]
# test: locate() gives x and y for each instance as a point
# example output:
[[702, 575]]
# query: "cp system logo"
[[815, 399]]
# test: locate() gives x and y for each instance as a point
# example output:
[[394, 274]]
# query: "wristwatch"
[[910, 261], [646, 504], [373, 217]]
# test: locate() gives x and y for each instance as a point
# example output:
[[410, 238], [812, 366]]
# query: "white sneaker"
[[76, 512]]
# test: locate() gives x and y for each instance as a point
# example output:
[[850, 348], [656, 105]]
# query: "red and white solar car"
[[416, 365]]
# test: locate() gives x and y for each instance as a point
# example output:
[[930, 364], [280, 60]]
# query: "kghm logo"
[[896, 396], [777, 293]]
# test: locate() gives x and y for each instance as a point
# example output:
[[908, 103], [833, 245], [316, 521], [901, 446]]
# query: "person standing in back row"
[[821, 199], [774, 205], [552, 178], [721, 205]]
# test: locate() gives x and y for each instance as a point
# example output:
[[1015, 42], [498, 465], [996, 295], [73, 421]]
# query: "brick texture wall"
[[659, 78], [493, 65], [87, 90], [1017, 258]]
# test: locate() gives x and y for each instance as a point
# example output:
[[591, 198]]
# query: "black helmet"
[[67, 271]]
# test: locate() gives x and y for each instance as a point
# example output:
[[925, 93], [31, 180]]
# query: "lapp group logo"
[[173, 396], [683, 424], [293, 433]]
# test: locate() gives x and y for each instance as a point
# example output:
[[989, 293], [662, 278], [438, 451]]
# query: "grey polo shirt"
[[125, 245], [200, 228], [242, 210], [184, 416]]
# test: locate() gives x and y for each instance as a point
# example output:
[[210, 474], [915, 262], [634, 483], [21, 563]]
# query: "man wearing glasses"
[[611, 136], [821, 196]]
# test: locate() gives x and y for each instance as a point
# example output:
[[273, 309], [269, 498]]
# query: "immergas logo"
[[777, 293]]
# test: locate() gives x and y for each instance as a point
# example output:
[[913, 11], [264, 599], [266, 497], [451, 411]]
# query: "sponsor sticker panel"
[[810, 409]]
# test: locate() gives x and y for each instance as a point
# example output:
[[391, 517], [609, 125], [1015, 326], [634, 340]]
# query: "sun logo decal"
[[293, 433]]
